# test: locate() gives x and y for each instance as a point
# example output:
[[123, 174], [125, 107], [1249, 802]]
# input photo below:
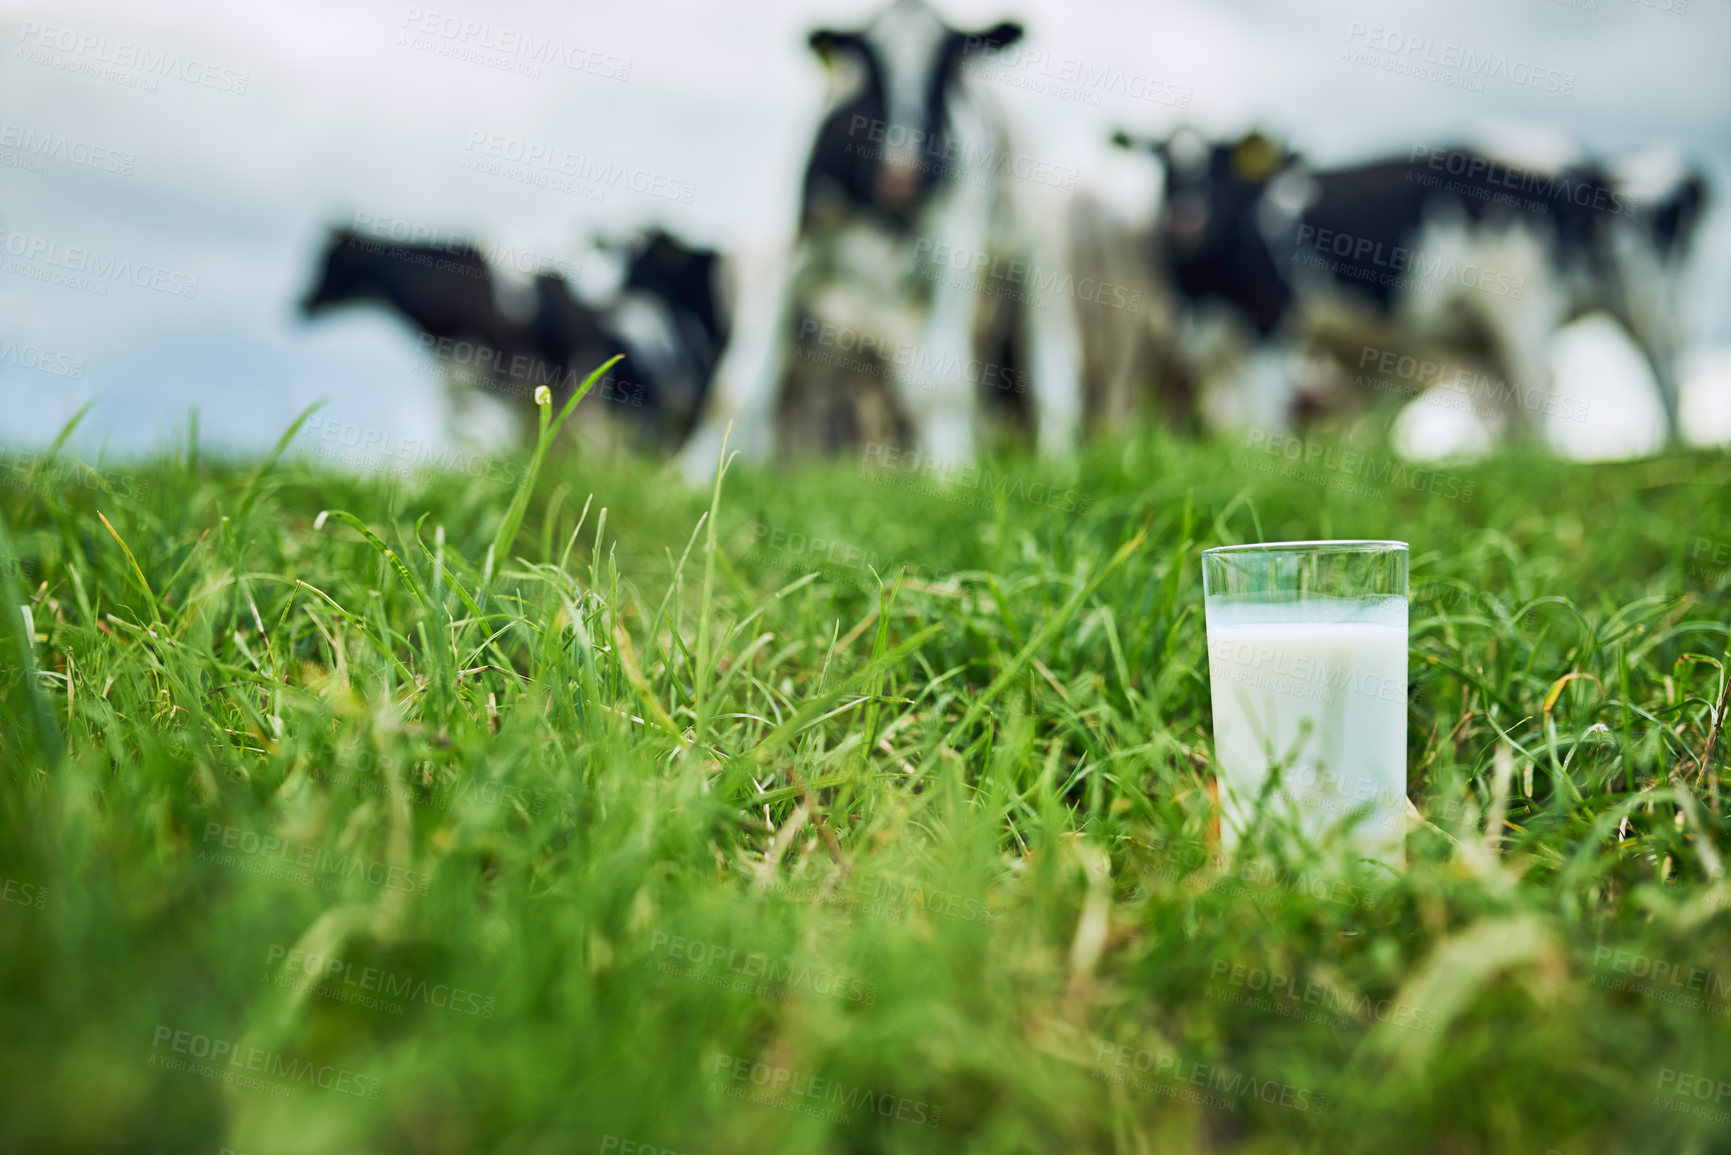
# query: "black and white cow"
[[1448, 247], [881, 324], [672, 322], [665, 321], [446, 290]]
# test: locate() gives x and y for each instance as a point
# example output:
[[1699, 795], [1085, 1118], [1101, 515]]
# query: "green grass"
[[944, 841]]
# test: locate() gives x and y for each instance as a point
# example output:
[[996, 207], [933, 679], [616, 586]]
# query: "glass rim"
[[1337, 545]]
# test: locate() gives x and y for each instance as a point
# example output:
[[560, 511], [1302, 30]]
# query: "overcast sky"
[[299, 114]]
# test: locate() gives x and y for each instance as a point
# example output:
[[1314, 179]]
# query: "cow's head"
[[1215, 193], [343, 274], [888, 139]]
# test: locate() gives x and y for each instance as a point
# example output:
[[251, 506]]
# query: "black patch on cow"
[[446, 292], [1214, 246], [1675, 218], [687, 279], [847, 159]]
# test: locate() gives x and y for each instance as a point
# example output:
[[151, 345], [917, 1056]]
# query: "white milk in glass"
[[1317, 689]]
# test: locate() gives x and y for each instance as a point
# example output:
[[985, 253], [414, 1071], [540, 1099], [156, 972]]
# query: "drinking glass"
[[1307, 646]]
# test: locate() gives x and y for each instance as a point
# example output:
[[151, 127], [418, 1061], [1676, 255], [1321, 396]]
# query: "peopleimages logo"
[[1360, 257], [490, 152], [1179, 1077], [87, 269], [1457, 387], [383, 227], [1251, 878], [774, 977], [1710, 560], [972, 162], [1286, 994], [522, 375], [24, 893], [777, 548], [1066, 77], [615, 1145], [1350, 462], [38, 146], [41, 360], [332, 977], [1474, 167], [887, 898], [1467, 63], [811, 1095], [1690, 987], [1701, 1096], [902, 361], [999, 276], [85, 52], [45, 472], [272, 856], [1240, 660], [426, 30], [964, 483], [232, 1062], [386, 446]]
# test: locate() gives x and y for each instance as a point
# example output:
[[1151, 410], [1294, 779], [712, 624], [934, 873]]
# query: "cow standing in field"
[[1448, 250], [1126, 305], [670, 316], [883, 324], [494, 340]]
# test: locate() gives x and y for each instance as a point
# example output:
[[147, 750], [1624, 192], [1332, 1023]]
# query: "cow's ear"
[[1258, 157], [829, 44], [996, 37], [1695, 189]]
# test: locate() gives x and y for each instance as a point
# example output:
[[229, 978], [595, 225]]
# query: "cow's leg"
[[748, 375], [1054, 341], [1506, 279], [1521, 332], [1652, 332], [1664, 366], [1648, 309], [942, 409]]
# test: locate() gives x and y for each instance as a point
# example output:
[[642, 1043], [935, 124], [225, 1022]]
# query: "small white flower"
[[543, 395]]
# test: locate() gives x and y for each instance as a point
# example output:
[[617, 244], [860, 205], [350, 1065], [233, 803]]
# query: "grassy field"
[[658, 823]]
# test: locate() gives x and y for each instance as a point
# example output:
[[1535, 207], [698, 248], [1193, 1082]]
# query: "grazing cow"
[[670, 315], [511, 344], [447, 291], [883, 324], [1447, 248]]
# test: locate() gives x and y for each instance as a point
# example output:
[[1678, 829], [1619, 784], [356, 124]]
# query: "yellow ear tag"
[[1256, 158]]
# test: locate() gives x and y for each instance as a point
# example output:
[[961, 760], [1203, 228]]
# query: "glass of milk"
[[1307, 665]]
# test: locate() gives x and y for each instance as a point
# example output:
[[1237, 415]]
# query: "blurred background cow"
[[931, 300], [853, 223], [1451, 255], [665, 320]]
